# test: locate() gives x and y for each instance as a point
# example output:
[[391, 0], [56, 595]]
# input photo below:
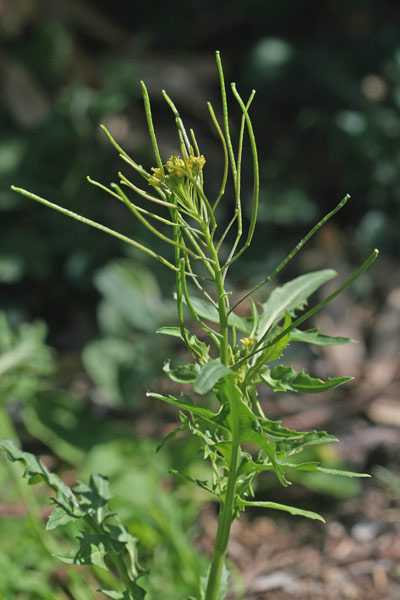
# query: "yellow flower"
[[247, 342], [157, 177], [196, 163], [174, 162]]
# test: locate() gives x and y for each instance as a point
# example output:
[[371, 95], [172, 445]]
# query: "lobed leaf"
[[311, 438], [94, 497], [274, 430], [92, 550], [36, 471], [274, 352], [88, 502], [283, 379], [250, 429], [58, 517]]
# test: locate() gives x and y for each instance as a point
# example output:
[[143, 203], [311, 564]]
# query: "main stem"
[[227, 506]]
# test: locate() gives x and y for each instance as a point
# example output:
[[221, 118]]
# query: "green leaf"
[[203, 484], [206, 310], [89, 502], [275, 430], [250, 429], [94, 497], [209, 375], [117, 595], [312, 438], [173, 331], [92, 551], [274, 352], [183, 373], [283, 379], [290, 297], [312, 466], [312, 336], [172, 435], [59, 517], [200, 411], [249, 466], [195, 344], [135, 593], [290, 509], [36, 471]]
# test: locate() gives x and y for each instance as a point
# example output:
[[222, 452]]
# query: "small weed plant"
[[228, 361]]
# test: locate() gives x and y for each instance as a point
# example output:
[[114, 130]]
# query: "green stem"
[[226, 514], [227, 506]]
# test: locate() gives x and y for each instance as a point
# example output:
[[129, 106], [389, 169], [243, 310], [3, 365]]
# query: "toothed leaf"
[[311, 438], [92, 551], [283, 379], [250, 429]]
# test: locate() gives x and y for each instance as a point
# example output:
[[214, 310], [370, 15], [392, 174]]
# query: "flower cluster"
[[178, 168]]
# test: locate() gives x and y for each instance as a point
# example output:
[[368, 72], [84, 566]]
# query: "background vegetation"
[[327, 121]]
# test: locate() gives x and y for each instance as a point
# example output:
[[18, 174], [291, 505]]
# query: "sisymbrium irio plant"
[[229, 361]]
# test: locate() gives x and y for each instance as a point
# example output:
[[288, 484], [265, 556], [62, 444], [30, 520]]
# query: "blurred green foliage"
[[125, 359], [80, 438]]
